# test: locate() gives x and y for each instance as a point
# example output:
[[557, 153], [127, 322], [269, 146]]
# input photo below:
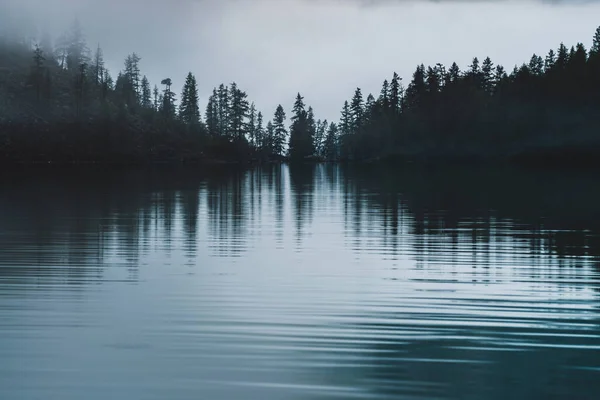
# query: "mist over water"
[[323, 49], [312, 282]]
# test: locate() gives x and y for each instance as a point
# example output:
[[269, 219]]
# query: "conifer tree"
[[238, 112], [98, 66], [146, 93], [279, 131], [395, 93], [330, 146], [357, 110], [156, 95], [189, 111], [251, 125], [223, 106], [168, 99], [453, 74], [37, 71], [212, 114], [550, 60], [259, 135], [487, 71]]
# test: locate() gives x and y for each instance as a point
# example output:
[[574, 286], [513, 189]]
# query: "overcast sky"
[[324, 49]]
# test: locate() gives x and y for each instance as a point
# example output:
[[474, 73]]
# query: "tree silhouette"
[[189, 111], [279, 132]]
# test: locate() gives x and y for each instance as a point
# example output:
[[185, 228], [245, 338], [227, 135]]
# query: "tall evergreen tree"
[[384, 95], [146, 100], [223, 106], [98, 66], [168, 99], [595, 49], [395, 93], [330, 151], [75, 49], [156, 96], [238, 112], [212, 114], [453, 74], [487, 71], [189, 111], [279, 133], [259, 135], [132, 74], [37, 71], [251, 125], [549, 61], [357, 110]]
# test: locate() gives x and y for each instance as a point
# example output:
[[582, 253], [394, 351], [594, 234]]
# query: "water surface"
[[299, 283]]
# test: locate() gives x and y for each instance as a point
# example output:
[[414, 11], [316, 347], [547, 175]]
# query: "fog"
[[324, 49]]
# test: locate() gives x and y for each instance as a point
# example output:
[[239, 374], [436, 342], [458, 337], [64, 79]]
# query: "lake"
[[299, 282]]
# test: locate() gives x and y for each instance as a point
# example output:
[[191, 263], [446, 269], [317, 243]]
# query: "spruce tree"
[[330, 146], [146, 100], [279, 131], [223, 107], [259, 135], [212, 114], [395, 93], [168, 99], [487, 72], [98, 66], [189, 111], [251, 124], [238, 112], [37, 71], [357, 110]]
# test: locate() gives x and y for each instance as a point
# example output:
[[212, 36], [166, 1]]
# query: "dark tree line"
[[549, 105], [61, 104]]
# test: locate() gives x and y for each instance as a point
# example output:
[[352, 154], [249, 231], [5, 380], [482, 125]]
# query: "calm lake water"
[[299, 283]]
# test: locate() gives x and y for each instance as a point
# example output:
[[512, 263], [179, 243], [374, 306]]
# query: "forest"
[[60, 104]]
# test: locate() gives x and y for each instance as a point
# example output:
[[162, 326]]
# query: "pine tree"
[[357, 110], [132, 74], [212, 114], [330, 146], [238, 112], [37, 71], [251, 125], [155, 94], [595, 49], [269, 140], [346, 120], [98, 66], [74, 47], [168, 99], [432, 81], [487, 71], [416, 89], [384, 96], [146, 94], [298, 129], [311, 132], [536, 65], [189, 112], [279, 131], [395, 93], [562, 57], [319, 140], [453, 74], [549, 61], [259, 134], [223, 106]]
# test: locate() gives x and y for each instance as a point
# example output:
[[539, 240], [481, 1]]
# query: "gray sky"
[[324, 49]]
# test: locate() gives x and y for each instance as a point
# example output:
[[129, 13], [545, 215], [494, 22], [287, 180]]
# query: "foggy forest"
[[60, 104]]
